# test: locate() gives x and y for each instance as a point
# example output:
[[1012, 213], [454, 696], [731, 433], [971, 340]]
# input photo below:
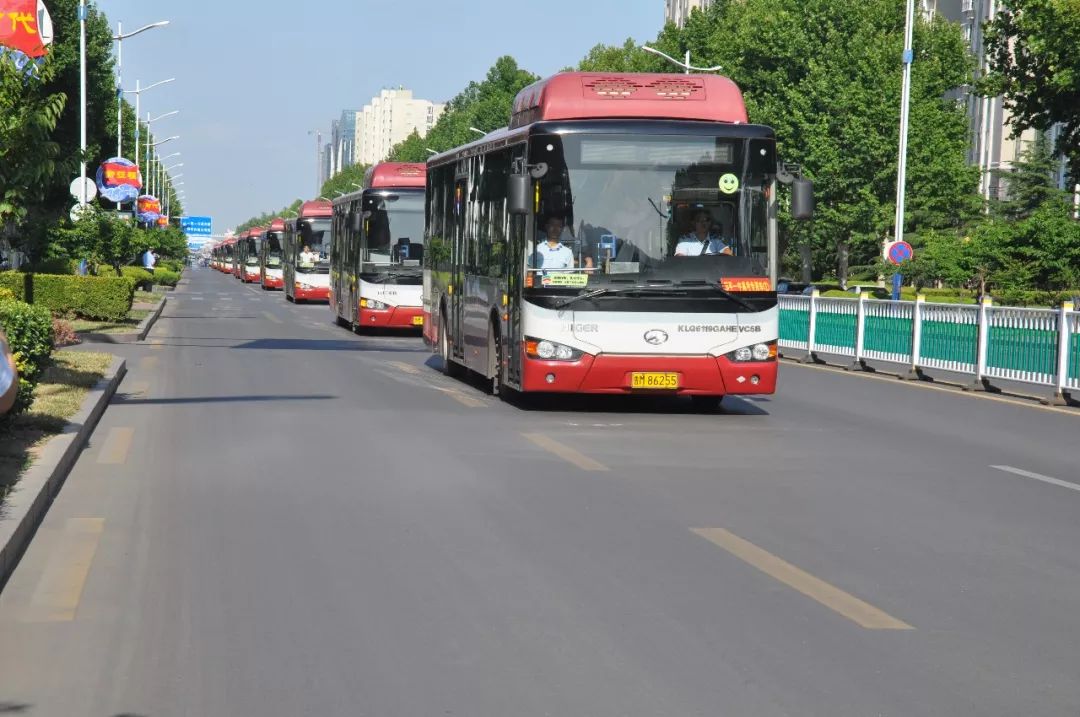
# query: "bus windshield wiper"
[[614, 290]]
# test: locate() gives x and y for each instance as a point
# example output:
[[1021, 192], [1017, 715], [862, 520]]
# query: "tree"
[[1029, 183], [485, 105], [28, 154], [1034, 62], [347, 180]]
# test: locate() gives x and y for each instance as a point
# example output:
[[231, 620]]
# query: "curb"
[[129, 338], [28, 502]]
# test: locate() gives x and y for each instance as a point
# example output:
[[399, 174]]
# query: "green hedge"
[[63, 266], [166, 277], [90, 297], [29, 331], [171, 264], [143, 278]]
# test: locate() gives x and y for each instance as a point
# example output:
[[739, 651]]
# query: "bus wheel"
[[706, 404], [449, 368]]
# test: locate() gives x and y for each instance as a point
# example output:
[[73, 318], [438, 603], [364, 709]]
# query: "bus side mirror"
[[802, 199], [518, 194]]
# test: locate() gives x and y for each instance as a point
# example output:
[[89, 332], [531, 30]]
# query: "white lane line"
[[196, 298], [1038, 476]]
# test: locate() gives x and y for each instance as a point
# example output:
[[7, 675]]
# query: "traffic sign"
[[77, 211], [77, 185], [197, 226], [899, 252]]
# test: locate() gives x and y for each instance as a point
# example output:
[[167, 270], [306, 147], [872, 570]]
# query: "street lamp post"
[[905, 106], [120, 36], [150, 146], [82, 101], [684, 64], [138, 95]]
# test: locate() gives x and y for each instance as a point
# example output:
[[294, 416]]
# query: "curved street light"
[[474, 129], [685, 65], [119, 37], [138, 95]]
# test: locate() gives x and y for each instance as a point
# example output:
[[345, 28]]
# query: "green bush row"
[[142, 277], [29, 331], [90, 297]]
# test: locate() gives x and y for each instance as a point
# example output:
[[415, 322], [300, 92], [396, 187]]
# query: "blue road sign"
[[900, 251], [197, 226]]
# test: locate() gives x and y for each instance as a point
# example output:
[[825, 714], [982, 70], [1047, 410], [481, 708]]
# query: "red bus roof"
[[277, 225], [256, 232], [624, 95], [316, 208], [396, 174]]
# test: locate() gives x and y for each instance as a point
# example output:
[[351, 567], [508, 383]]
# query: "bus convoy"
[[619, 236]]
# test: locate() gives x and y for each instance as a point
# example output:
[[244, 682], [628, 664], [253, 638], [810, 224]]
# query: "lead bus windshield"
[[394, 229], [313, 246], [625, 209]]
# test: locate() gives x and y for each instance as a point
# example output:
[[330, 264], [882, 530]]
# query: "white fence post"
[[915, 373], [1061, 396], [981, 383], [859, 364], [810, 357]]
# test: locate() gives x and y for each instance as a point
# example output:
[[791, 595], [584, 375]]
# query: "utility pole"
[[905, 114]]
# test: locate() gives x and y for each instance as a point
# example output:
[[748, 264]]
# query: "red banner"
[[20, 30], [116, 174], [163, 221], [149, 205]]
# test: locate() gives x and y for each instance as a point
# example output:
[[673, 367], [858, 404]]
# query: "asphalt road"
[[277, 517]]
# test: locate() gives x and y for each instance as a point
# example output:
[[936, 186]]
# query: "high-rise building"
[[388, 119], [992, 145], [677, 11], [343, 141]]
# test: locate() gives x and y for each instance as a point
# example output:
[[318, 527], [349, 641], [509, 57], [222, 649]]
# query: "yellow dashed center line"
[[565, 452], [116, 447], [858, 611], [56, 598]]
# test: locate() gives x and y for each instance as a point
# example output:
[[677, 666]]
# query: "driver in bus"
[[700, 239], [552, 253], [308, 257]]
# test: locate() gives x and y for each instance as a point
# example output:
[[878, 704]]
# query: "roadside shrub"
[[6, 293], [63, 333], [29, 332], [171, 264], [166, 277], [143, 279], [91, 297], [62, 266]]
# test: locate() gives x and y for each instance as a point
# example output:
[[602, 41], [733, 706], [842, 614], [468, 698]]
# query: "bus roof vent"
[[629, 95], [396, 174]]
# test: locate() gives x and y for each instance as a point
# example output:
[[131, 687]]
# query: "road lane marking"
[[1038, 476], [139, 388], [114, 451], [407, 368], [982, 396], [148, 363], [273, 318], [459, 396], [565, 452], [858, 611], [58, 592], [196, 298]]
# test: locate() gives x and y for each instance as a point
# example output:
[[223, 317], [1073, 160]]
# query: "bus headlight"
[[373, 304], [550, 350], [757, 352]]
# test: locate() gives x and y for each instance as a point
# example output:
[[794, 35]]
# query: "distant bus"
[[377, 249], [225, 256], [619, 237], [270, 259], [249, 249], [308, 278], [235, 246]]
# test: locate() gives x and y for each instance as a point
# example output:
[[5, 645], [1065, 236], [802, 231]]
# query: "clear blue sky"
[[254, 77]]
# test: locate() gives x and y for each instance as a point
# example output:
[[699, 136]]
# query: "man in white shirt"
[[308, 257], [552, 253], [700, 240]]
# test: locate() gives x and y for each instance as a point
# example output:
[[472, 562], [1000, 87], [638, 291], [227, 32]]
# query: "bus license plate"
[[418, 321], [654, 380]]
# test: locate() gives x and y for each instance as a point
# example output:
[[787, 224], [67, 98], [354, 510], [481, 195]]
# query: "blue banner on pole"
[[197, 226]]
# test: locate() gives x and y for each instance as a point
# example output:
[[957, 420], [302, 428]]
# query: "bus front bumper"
[[273, 282], [396, 317], [612, 374], [315, 293]]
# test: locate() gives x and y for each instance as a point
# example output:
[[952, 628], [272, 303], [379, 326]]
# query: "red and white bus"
[[619, 237], [270, 258], [307, 253], [235, 267], [377, 249], [225, 256], [248, 251]]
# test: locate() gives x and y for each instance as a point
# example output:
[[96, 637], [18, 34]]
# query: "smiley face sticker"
[[729, 183]]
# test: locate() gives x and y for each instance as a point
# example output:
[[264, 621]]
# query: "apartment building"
[[389, 118], [677, 11]]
